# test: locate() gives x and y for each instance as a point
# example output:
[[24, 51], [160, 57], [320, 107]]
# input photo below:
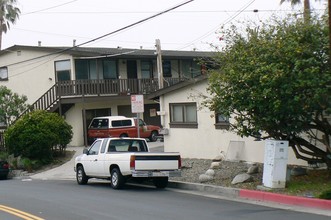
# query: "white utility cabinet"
[[275, 163]]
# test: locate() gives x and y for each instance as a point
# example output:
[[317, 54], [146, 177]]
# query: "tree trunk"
[[306, 10], [306, 151]]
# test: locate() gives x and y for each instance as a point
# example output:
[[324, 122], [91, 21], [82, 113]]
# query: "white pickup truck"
[[121, 159]]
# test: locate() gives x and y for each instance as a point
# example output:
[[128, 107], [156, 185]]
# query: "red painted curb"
[[285, 199]]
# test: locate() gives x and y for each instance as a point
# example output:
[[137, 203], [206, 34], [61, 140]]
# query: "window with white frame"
[[183, 115], [3, 73]]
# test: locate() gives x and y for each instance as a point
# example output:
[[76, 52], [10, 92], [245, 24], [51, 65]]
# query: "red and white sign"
[[137, 103]]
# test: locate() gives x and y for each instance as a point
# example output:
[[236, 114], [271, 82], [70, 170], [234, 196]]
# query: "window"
[[190, 69], [3, 73], [125, 145], [121, 123], [109, 69], [94, 150], [96, 69], [81, 69], [221, 121], [63, 70], [93, 69], [146, 69], [166, 67], [141, 123], [92, 113], [86, 69], [99, 123], [183, 115]]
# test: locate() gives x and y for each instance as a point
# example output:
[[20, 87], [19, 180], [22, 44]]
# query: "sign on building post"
[[137, 103], [137, 106]]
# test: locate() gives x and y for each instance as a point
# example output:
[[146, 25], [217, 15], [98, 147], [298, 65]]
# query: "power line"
[[148, 12], [45, 9], [224, 23], [108, 34], [136, 23]]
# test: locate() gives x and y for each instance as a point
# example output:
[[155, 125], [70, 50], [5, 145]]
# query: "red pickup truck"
[[120, 126]]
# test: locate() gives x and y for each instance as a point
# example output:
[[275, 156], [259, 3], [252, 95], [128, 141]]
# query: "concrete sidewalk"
[[318, 206], [63, 172]]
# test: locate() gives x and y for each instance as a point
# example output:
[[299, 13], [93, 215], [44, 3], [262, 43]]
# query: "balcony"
[[73, 91]]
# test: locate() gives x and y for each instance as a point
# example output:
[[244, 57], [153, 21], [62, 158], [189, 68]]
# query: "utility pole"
[[329, 9], [160, 78], [159, 63]]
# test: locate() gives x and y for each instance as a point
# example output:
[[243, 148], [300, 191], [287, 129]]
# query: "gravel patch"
[[224, 174]]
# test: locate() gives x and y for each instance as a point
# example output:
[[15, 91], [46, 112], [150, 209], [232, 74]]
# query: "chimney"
[[39, 43], [74, 42]]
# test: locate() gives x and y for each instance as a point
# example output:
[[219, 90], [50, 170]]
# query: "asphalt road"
[[65, 199], [54, 194]]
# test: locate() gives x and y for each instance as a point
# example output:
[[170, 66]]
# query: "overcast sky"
[[192, 26]]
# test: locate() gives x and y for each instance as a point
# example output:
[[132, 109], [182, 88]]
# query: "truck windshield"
[[127, 145]]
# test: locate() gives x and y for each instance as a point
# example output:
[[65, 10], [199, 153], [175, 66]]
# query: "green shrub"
[[3, 155], [325, 194], [35, 135]]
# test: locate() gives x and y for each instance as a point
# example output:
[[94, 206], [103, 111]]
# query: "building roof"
[[109, 52], [178, 86]]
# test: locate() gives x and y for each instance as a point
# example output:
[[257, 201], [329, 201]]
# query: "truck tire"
[[160, 182], [81, 176], [116, 179], [153, 136]]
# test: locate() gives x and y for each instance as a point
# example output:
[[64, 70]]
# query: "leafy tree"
[[275, 82], [9, 13], [37, 134], [11, 105]]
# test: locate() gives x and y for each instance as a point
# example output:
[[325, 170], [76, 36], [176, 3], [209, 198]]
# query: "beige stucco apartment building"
[[81, 83]]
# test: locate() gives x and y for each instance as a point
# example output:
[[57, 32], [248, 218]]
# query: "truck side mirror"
[[85, 151]]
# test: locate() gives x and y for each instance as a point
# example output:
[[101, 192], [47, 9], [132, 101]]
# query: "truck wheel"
[[116, 179], [160, 182], [153, 136], [81, 176]]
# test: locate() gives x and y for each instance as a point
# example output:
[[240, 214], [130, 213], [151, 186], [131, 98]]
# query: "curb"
[[222, 191], [285, 199], [236, 193]]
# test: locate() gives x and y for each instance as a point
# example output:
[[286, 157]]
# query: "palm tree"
[[306, 7], [9, 13]]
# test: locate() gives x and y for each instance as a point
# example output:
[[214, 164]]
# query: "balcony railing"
[[102, 87], [106, 87]]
